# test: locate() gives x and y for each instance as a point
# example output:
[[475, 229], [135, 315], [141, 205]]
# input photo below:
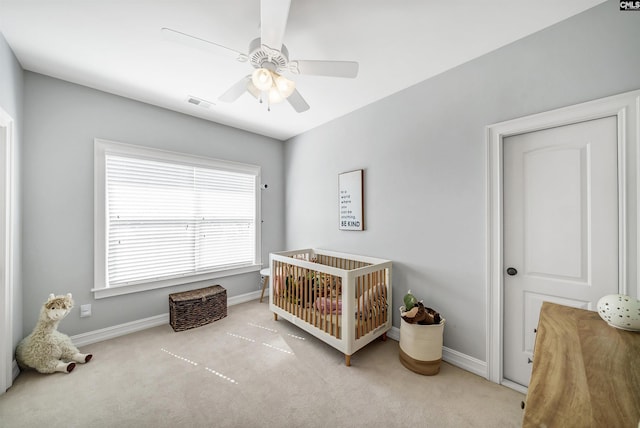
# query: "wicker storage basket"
[[196, 308], [421, 347]]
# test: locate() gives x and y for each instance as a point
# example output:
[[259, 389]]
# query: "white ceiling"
[[116, 46]]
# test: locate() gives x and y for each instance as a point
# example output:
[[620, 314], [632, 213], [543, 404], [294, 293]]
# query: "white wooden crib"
[[317, 289]]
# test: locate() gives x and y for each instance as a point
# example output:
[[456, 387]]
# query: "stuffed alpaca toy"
[[46, 349]]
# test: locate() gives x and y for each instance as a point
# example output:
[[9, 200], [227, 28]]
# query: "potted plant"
[[421, 333]]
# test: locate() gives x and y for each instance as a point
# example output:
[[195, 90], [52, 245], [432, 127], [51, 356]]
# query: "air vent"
[[199, 102]]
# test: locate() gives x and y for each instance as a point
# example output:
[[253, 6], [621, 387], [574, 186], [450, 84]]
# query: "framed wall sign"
[[350, 200]]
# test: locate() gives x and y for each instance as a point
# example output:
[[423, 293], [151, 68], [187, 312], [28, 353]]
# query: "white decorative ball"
[[620, 311]]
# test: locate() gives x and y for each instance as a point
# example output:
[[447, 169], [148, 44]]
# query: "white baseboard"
[[515, 386], [15, 370], [452, 357], [90, 337], [464, 361], [243, 298], [95, 336], [394, 334]]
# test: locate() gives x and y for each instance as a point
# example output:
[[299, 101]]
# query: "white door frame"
[[6, 250], [627, 109]]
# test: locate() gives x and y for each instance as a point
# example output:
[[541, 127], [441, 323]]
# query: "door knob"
[[511, 271]]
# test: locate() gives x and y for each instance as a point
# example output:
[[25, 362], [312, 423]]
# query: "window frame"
[[102, 148]]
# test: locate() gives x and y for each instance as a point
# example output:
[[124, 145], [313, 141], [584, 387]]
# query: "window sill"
[[101, 293]]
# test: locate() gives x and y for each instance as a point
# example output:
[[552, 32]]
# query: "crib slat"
[[331, 279], [314, 300], [299, 285], [323, 314], [369, 321], [287, 284], [321, 294], [372, 302], [376, 292], [357, 306], [294, 282], [308, 291], [280, 278], [361, 296], [369, 312], [338, 297], [363, 317], [275, 278], [285, 276], [292, 276], [330, 313], [305, 297], [385, 307], [378, 298], [359, 292], [301, 290], [300, 279], [334, 315]]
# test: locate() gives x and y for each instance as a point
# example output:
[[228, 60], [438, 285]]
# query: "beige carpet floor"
[[248, 370]]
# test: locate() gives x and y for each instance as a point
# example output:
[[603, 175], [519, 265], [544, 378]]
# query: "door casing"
[[626, 107], [6, 250]]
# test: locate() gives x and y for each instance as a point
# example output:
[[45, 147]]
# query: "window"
[[164, 218]]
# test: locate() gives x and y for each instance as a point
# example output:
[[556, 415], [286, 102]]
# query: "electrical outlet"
[[85, 311]]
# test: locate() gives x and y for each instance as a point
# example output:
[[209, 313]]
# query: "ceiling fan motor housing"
[[271, 59]]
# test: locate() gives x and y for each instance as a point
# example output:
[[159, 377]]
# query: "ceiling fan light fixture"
[[262, 79], [275, 96], [284, 85], [251, 88]]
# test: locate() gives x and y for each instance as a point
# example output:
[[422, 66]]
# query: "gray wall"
[[423, 152], [61, 121], [11, 101]]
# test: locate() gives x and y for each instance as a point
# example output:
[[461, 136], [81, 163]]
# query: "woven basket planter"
[[196, 308], [421, 347]]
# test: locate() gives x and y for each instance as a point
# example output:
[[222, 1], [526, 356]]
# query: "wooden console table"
[[585, 372]]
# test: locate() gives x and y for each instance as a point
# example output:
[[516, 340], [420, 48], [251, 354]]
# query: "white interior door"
[[560, 228]]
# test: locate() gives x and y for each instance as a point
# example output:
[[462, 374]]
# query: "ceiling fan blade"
[[273, 22], [197, 42], [234, 92], [325, 68], [297, 102], [251, 88]]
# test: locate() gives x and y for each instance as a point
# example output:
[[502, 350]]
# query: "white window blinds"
[[168, 220]]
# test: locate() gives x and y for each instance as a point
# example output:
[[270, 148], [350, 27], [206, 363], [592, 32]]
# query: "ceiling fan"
[[270, 59]]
